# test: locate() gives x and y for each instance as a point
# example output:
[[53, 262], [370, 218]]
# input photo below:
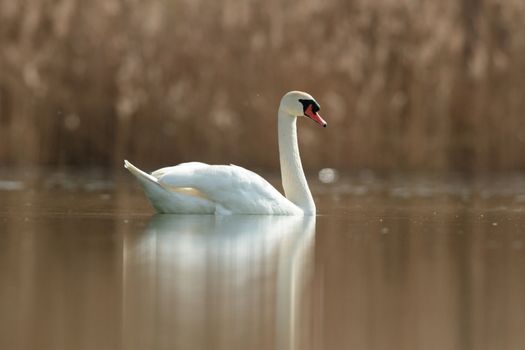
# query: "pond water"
[[419, 262]]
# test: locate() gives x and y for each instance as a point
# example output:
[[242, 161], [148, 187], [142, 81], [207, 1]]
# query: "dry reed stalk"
[[421, 85]]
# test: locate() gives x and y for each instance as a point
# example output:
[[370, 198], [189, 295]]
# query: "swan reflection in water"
[[193, 281]]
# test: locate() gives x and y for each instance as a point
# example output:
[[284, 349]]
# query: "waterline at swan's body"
[[198, 188]]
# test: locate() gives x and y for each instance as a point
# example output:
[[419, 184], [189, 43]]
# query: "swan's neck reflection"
[[204, 280]]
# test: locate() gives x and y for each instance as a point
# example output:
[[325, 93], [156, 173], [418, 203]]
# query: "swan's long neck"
[[294, 181]]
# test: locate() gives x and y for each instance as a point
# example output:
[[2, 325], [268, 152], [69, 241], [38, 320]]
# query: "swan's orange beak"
[[315, 116]]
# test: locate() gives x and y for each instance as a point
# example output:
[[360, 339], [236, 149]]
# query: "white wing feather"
[[233, 189]]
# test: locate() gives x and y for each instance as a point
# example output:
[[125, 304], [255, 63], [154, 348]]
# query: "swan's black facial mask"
[[310, 109], [315, 106]]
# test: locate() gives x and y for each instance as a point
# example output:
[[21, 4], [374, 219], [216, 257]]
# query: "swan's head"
[[301, 104]]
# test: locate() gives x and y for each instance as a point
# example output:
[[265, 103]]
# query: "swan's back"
[[233, 189]]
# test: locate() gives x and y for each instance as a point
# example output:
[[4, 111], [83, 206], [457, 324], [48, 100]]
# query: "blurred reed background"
[[411, 85]]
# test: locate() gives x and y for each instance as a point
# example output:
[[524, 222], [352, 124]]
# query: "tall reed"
[[424, 85]]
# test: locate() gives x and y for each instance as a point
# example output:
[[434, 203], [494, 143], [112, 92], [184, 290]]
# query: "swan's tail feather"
[[139, 174], [166, 201], [154, 191]]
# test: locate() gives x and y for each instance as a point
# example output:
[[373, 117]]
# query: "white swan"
[[198, 188]]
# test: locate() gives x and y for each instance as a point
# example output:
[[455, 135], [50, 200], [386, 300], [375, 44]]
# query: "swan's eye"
[[307, 103]]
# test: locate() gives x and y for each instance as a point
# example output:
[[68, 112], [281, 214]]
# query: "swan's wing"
[[233, 188]]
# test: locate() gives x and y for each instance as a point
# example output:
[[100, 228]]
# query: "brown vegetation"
[[403, 84]]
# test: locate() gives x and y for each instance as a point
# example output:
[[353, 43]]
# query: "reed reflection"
[[206, 282]]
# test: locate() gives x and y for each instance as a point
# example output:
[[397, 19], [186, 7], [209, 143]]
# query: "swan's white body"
[[198, 188]]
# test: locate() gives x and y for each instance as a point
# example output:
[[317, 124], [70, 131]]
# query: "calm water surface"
[[389, 263]]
